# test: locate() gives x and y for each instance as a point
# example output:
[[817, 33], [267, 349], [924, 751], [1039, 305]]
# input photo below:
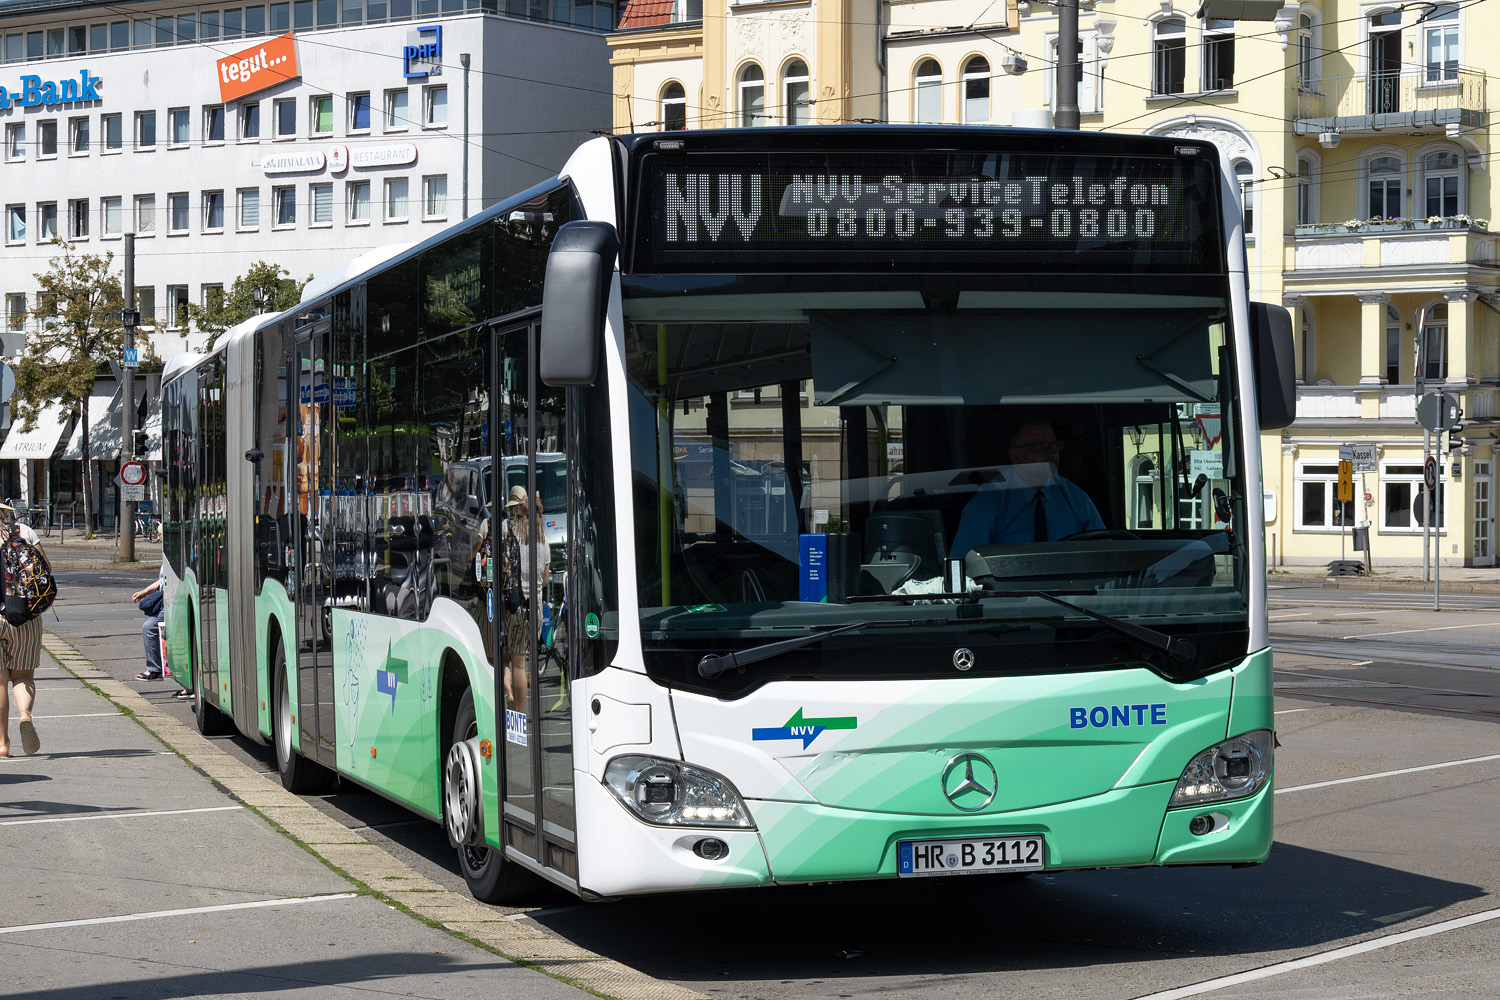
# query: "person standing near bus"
[[20, 653], [523, 550]]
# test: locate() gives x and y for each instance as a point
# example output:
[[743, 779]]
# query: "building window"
[[208, 25], [396, 119], [321, 197], [249, 208], [281, 18], [213, 211], [359, 112], [15, 141], [78, 136], [78, 219], [145, 214], [752, 96], [1218, 54], [211, 296], [1384, 188], [113, 127], [976, 90], [46, 138], [1435, 342], [796, 93], [1317, 510], [250, 120], [320, 114], [673, 107], [145, 130], [1442, 43], [1245, 174], [435, 106], [15, 310], [1307, 66], [1404, 503], [213, 123], [286, 117], [929, 93], [1392, 345], [178, 220], [234, 21], [1307, 190], [145, 304], [1169, 56], [395, 199], [357, 196], [111, 211], [435, 197], [284, 205], [1441, 174], [119, 35], [15, 223], [46, 221], [177, 303], [178, 122]]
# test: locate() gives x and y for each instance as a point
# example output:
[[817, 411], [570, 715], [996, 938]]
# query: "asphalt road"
[[1381, 884]]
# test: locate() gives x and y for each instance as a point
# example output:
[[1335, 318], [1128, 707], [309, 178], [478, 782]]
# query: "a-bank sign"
[[35, 91]]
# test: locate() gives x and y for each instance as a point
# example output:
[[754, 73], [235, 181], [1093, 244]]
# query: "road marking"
[[1439, 628], [135, 815], [1323, 958], [1289, 711], [177, 913], [1299, 614], [1388, 774]]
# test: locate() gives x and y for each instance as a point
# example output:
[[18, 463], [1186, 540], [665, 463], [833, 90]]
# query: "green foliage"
[[263, 288]]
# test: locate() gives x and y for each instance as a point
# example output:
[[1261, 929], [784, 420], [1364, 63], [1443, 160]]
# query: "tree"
[[79, 301], [264, 288]]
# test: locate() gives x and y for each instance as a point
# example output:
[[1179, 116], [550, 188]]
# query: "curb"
[[510, 935]]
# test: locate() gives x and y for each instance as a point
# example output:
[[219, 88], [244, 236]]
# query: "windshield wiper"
[[1177, 647], [714, 664]]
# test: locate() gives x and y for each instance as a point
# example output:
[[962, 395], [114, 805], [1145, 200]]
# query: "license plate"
[[918, 858]]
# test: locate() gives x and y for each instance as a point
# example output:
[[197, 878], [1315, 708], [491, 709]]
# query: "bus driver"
[[1007, 511]]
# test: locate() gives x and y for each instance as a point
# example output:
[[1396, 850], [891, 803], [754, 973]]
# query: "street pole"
[[463, 59], [1065, 112], [127, 402], [1435, 514], [1427, 505]]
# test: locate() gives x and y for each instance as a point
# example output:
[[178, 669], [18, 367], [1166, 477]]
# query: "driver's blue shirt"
[[1005, 511]]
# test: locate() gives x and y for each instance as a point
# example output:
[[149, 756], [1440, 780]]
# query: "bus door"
[[312, 537], [537, 790]]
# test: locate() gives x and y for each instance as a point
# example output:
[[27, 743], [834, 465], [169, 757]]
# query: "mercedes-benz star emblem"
[[963, 657], [970, 781]]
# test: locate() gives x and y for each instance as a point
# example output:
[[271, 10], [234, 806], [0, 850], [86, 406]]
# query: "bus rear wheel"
[[299, 775], [491, 877]]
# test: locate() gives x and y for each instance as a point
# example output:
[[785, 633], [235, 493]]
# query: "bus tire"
[[491, 877], [299, 775]]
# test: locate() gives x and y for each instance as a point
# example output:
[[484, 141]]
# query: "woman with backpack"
[[20, 653]]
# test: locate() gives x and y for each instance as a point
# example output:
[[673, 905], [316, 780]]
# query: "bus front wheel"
[[491, 877]]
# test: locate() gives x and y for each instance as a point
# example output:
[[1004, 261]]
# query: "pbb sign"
[[257, 68]]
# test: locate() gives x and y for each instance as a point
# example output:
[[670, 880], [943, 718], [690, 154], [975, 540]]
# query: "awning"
[[153, 431], [104, 428], [41, 440]]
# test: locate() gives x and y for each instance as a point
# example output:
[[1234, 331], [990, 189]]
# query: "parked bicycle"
[[34, 517], [148, 527]]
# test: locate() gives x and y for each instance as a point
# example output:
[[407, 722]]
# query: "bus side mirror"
[[575, 301], [1274, 355]]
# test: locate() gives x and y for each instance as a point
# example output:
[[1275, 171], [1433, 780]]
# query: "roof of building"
[[646, 14]]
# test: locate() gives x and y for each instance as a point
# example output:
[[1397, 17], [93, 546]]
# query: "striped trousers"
[[21, 646]]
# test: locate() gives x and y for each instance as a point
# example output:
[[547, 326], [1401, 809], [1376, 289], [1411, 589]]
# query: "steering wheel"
[[1103, 534]]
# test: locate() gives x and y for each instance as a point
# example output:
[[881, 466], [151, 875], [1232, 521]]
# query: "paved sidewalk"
[[145, 861], [1457, 579]]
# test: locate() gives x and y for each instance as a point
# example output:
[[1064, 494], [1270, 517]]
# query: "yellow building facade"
[[1361, 137]]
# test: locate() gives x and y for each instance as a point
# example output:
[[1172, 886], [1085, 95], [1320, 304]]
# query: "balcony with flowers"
[[1400, 242]]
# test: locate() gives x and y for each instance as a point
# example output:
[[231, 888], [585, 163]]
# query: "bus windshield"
[[819, 457]]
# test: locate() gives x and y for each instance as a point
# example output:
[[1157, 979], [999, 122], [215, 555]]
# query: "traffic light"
[[142, 443], [1345, 492]]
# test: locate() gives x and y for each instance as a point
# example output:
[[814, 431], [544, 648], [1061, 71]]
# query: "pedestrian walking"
[[20, 653]]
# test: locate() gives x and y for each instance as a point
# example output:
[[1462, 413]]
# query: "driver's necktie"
[[1039, 518]]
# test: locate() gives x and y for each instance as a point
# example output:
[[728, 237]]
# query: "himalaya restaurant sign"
[[339, 158], [34, 91]]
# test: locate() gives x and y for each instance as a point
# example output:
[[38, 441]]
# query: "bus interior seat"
[[899, 547]]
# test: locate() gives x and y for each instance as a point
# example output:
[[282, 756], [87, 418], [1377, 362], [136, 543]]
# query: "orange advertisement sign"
[[257, 68]]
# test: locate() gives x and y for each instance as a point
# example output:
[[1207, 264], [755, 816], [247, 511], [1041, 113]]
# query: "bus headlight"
[[670, 793], [1233, 769]]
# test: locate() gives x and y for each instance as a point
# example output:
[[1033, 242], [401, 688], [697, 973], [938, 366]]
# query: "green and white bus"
[[786, 637]]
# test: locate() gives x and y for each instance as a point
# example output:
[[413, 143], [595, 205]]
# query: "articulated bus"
[[798, 384]]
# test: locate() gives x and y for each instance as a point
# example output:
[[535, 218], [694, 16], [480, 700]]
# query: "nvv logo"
[[806, 730]]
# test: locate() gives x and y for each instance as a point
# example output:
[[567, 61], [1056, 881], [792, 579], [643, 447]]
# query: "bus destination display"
[[961, 207]]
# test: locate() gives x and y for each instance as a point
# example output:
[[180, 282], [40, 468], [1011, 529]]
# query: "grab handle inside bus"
[[1274, 354], [575, 301]]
